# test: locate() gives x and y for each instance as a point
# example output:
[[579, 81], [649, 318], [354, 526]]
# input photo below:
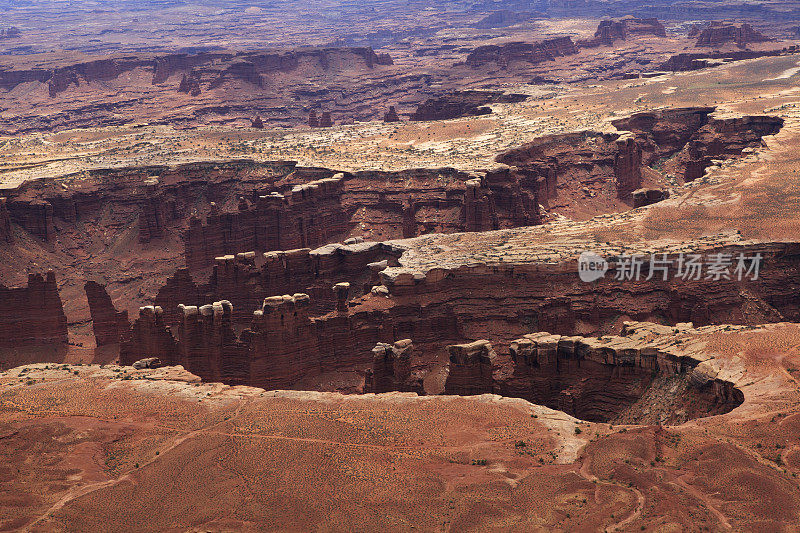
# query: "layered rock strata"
[[721, 33], [440, 307], [391, 115], [507, 298], [149, 337], [155, 212], [609, 31], [531, 53], [699, 60], [392, 369], [565, 164], [109, 325], [309, 215], [601, 379], [385, 204], [473, 368], [687, 140], [35, 216], [282, 346], [245, 279], [458, 104], [212, 69], [32, 315]]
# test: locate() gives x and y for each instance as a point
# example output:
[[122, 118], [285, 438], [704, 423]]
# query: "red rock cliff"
[[308, 215], [109, 325], [32, 314]]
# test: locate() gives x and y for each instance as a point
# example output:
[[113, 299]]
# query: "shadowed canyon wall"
[[639, 376], [246, 279], [285, 342], [684, 141], [109, 325], [240, 206]]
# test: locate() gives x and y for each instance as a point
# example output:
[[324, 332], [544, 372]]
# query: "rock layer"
[[687, 140], [32, 315], [309, 215], [109, 325], [721, 33], [532, 53], [459, 104], [285, 342], [609, 31]]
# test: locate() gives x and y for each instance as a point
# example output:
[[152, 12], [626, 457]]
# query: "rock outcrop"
[[458, 104], [11, 32], [504, 18], [384, 204], [474, 368], [608, 378], [150, 362], [156, 212], [391, 115], [35, 216], [282, 346], [574, 169], [222, 86], [627, 165], [645, 373], [326, 120], [689, 139], [212, 69], [149, 337], [391, 369], [208, 345], [190, 84], [480, 213], [721, 33], [609, 31], [519, 52], [643, 197], [535, 294], [289, 339], [245, 283], [697, 61], [154, 199], [243, 206], [109, 325], [308, 215], [32, 315], [6, 233]]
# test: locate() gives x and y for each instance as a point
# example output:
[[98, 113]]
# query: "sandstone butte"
[[257, 343]]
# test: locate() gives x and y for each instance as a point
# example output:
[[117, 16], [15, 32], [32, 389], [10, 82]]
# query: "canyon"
[[526, 266], [243, 231], [228, 86], [434, 309], [404, 441]]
